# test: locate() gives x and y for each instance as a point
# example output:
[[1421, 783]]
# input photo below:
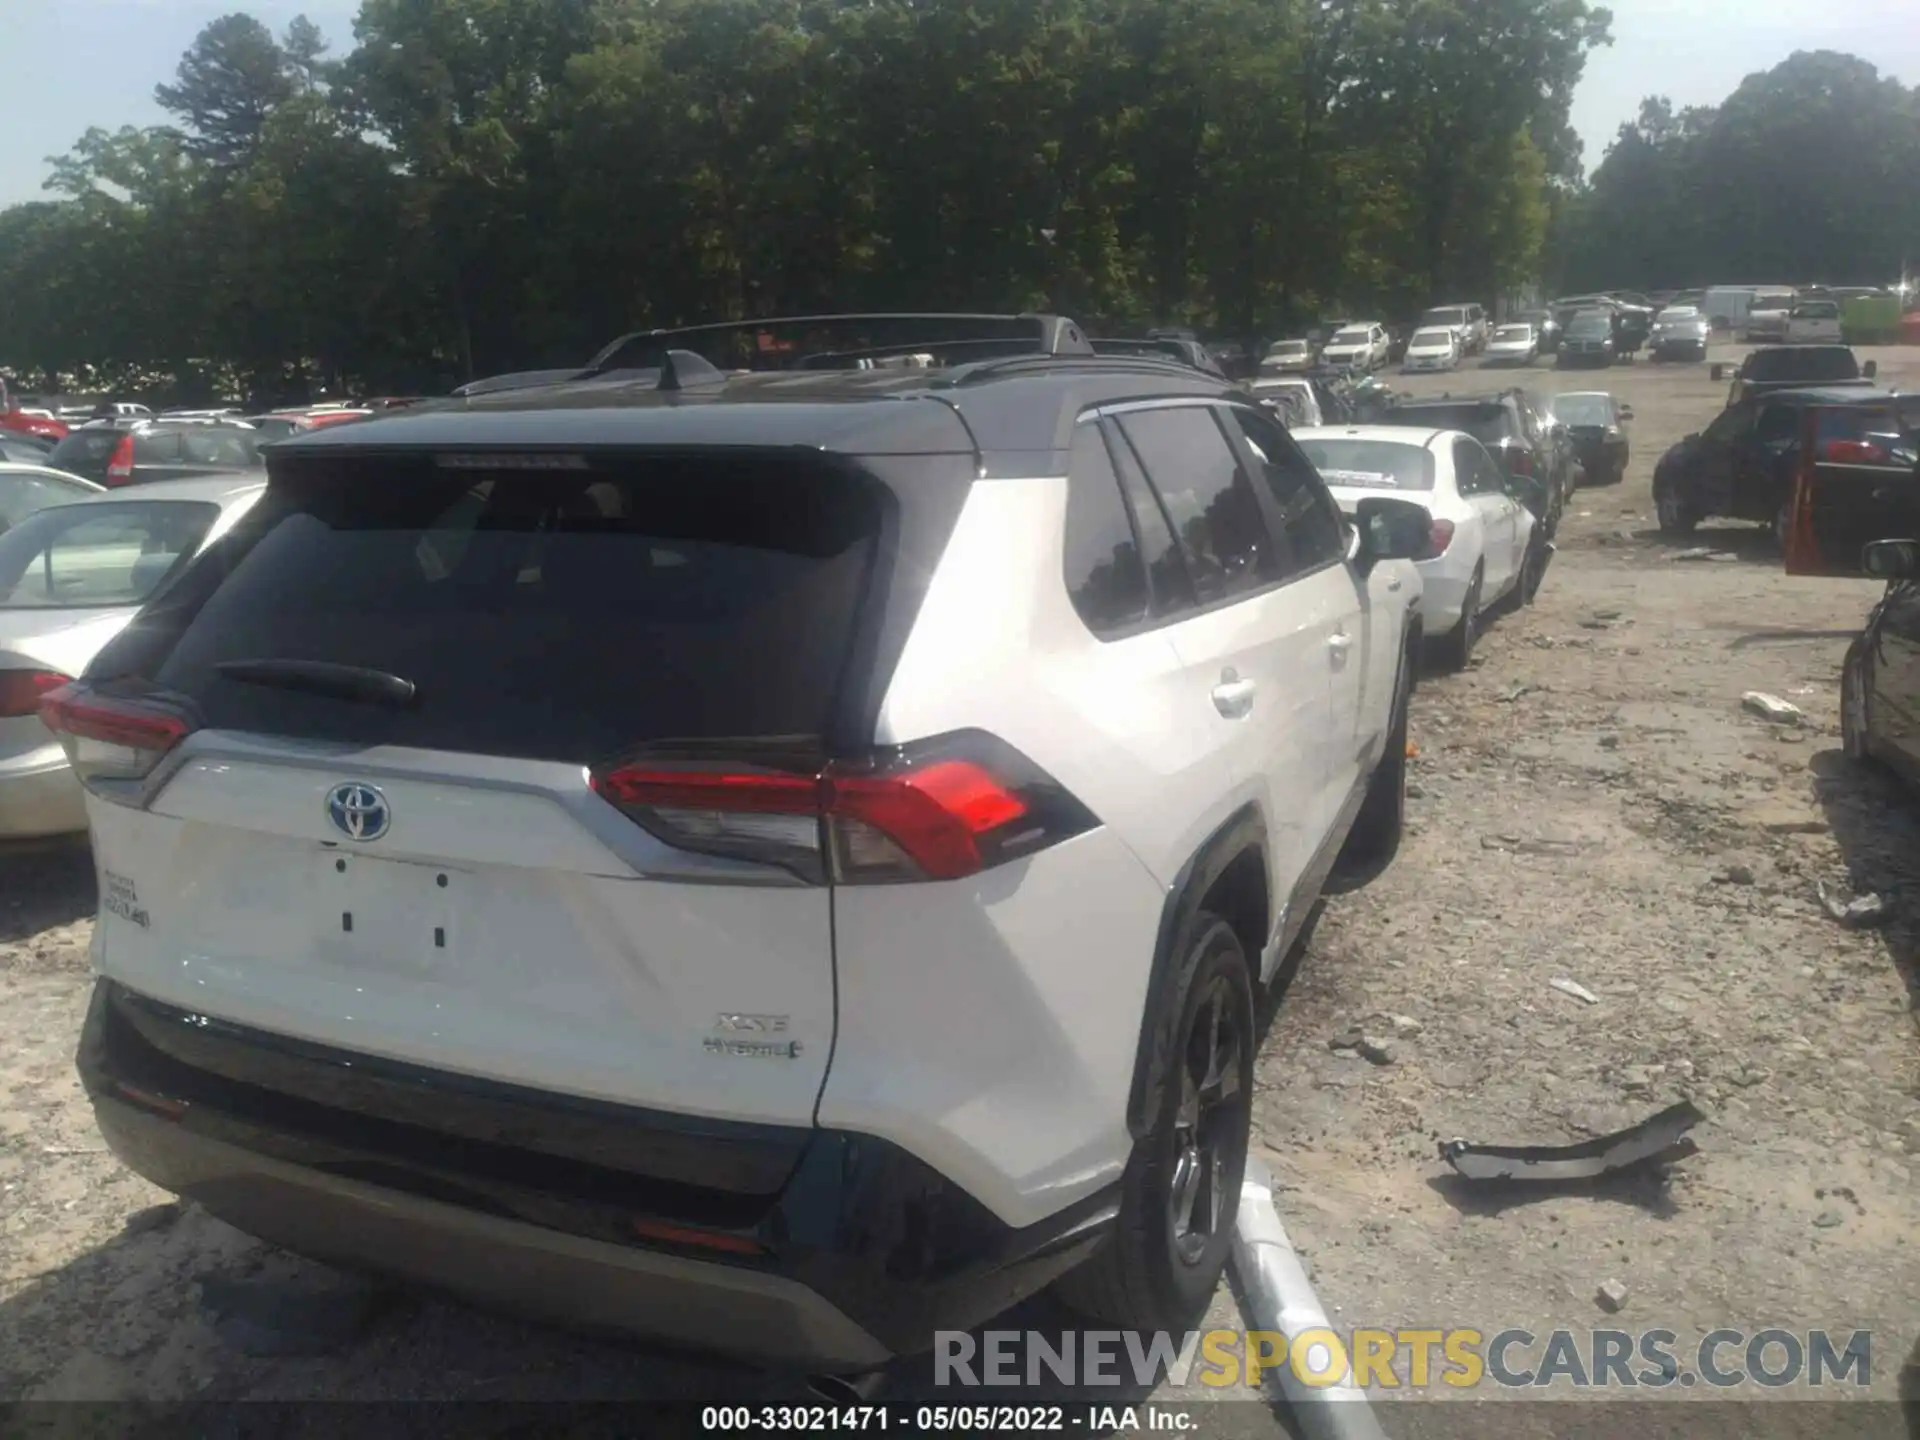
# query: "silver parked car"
[[71, 577], [28, 489]]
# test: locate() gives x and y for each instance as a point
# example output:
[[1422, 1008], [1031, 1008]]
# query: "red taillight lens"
[[1519, 462], [22, 690], [1855, 452], [934, 811], [120, 467], [110, 739], [1439, 537]]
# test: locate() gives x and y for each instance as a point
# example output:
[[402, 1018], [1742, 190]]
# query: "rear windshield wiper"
[[317, 677]]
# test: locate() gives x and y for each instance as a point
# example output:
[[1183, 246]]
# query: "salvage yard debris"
[[1863, 912], [1660, 1138], [1772, 707], [1575, 989]]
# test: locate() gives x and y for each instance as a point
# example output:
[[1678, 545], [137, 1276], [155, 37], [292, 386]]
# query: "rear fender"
[[1244, 833]]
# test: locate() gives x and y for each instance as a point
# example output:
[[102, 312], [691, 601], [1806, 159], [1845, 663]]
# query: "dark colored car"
[[1792, 367], [1880, 679], [1743, 465], [1163, 347], [112, 455], [1588, 340], [1510, 424], [1595, 422], [1680, 334]]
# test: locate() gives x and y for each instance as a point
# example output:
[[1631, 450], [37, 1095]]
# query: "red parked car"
[[12, 417]]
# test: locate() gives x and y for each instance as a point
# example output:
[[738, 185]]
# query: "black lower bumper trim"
[[887, 1240]]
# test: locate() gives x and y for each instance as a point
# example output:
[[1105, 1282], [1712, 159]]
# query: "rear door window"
[[554, 615], [1105, 577], [1167, 577], [1208, 498]]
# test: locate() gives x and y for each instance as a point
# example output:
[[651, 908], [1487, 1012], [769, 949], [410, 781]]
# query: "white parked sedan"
[[71, 577], [1435, 348], [1484, 552]]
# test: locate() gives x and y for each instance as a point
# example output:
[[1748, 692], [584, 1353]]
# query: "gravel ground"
[[1590, 803]]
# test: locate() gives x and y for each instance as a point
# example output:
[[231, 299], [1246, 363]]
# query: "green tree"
[[229, 83]]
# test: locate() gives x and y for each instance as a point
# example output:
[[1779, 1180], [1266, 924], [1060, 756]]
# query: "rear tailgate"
[[1858, 481], [435, 878]]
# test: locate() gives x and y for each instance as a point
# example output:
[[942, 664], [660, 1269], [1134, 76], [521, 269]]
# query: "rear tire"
[[1181, 1188], [1856, 705], [1675, 518]]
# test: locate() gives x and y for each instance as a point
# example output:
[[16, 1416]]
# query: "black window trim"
[[1109, 414]]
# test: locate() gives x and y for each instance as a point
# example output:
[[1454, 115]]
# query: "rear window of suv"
[[554, 614], [85, 447]]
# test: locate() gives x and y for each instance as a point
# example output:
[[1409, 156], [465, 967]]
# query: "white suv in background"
[[779, 861], [1362, 346]]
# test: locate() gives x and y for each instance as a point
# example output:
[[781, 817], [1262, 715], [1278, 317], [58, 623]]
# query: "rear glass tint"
[[1445, 315], [100, 554], [1370, 464], [1489, 424], [556, 615], [1802, 362], [1583, 409], [87, 447], [1105, 577], [232, 448]]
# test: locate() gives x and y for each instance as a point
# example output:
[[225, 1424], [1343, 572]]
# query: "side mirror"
[[1890, 559], [1870, 369], [1626, 412], [1717, 370], [1391, 530]]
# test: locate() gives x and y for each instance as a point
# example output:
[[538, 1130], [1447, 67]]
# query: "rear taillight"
[[120, 467], [21, 691], [1439, 537], [111, 740], [1519, 460], [1855, 452], [935, 810]]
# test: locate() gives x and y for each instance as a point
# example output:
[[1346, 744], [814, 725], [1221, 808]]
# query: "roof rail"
[[1168, 346], [794, 342]]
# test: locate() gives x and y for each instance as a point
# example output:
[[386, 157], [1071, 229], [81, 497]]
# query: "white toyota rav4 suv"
[[781, 861]]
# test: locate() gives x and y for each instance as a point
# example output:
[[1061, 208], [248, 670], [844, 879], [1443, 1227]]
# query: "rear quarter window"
[[1105, 577]]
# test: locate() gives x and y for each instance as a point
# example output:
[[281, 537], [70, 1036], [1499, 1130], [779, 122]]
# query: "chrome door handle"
[[1340, 644], [1233, 697]]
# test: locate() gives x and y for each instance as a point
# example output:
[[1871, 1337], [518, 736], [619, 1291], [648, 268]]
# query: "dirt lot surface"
[[1591, 804]]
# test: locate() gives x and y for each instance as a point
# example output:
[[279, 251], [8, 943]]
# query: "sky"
[[69, 64]]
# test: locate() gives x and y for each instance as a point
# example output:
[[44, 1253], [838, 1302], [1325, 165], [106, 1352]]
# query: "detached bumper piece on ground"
[[1659, 1139]]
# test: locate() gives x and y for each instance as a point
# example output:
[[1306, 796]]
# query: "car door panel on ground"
[[1258, 651]]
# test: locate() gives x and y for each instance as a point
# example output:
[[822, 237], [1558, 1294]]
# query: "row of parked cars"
[[1023, 695]]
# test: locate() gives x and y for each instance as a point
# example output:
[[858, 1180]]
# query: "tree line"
[[484, 185], [1805, 174]]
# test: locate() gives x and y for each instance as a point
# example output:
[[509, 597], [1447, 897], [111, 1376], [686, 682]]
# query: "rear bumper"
[[813, 1247], [488, 1259], [40, 802]]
